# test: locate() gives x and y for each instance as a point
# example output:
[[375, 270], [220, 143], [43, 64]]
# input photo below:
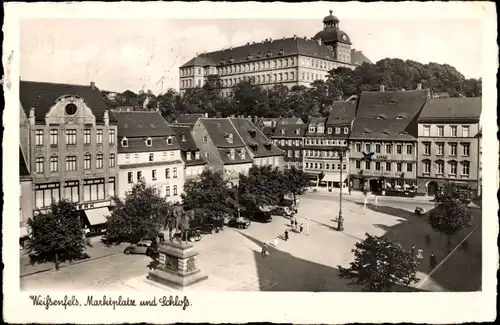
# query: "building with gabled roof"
[[290, 139], [386, 129], [194, 163], [148, 150], [287, 61], [72, 147], [189, 120], [260, 147], [449, 140]]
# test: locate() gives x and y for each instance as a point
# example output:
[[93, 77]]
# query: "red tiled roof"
[[42, 96], [452, 108]]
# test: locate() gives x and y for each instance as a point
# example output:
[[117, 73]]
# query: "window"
[[172, 155], [440, 131], [139, 176], [409, 167], [39, 162], [112, 136], [45, 194], [367, 165], [439, 167], [127, 158], [321, 129], [175, 190], [377, 165], [337, 130], [465, 131], [72, 191], [388, 148], [312, 129], [388, 166], [124, 142], [368, 147], [174, 172], [99, 136], [409, 149], [136, 158], [54, 164], [151, 157], [377, 148], [167, 191], [453, 167], [205, 139], [111, 187], [465, 149], [99, 161], [39, 138], [427, 131], [86, 136], [297, 143], [399, 167], [346, 130], [465, 168], [230, 138], [93, 189], [153, 174], [440, 149], [307, 165], [167, 173], [290, 153], [289, 143], [207, 154], [453, 149], [358, 164], [427, 148], [149, 142], [71, 137], [170, 141], [112, 160], [297, 153], [329, 130], [453, 131], [197, 155], [344, 166], [54, 137], [427, 167], [188, 155], [70, 163], [87, 161], [398, 149]]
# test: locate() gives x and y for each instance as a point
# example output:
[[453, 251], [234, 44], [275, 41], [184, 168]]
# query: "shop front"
[[94, 217]]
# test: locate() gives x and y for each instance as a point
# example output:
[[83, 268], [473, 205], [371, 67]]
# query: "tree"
[[295, 181], [379, 264], [210, 191], [141, 215], [262, 187], [450, 216], [57, 235]]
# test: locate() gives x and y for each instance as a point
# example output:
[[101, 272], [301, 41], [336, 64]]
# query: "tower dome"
[[330, 18], [331, 32]]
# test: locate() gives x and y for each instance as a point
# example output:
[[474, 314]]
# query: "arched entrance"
[[432, 188]]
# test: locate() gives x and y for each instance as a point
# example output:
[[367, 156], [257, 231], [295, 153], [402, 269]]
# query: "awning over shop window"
[[97, 216], [334, 178]]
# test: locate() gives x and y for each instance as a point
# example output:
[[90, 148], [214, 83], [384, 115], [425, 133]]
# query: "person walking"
[[364, 205], [413, 251], [264, 250], [420, 254], [292, 221], [301, 228], [432, 261], [286, 235]]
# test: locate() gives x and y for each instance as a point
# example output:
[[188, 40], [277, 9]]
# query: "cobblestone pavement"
[[306, 262]]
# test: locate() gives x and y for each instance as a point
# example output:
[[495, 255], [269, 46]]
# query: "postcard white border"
[[273, 307]]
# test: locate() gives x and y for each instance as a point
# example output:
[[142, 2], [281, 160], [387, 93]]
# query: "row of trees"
[[251, 99], [58, 236], [380, 263]]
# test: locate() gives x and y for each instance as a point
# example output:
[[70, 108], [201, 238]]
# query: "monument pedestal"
[[177, 266]]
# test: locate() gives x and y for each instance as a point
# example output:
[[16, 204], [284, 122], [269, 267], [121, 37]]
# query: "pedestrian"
[[432, 260], [295, 223], [413, 251], [420, 254], [286, 235], [301, 229], [364, 205], [264, 250], [292, 222], [427, 239]]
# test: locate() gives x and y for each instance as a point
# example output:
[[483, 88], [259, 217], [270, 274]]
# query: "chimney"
[[382, 88], [319, 41], [106, 118], [294, 37], [305, 38], [270, 40], [419, 86], [92, 85], [232, 116]]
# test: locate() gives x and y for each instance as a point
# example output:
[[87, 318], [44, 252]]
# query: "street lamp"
[[340, 220]]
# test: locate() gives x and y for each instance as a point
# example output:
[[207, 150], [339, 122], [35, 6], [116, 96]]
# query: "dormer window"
[[149, 142], [183, 138], [197, 155], [170, 140], [283, 131], [188, 155], [399, 117], [242, 154], [380, 117], [232, 154], [253, 133], [124, 142], [321, 128], [229, 137], [282, 51], [268, 145], [297, 132], [312, 128], [329, 130]]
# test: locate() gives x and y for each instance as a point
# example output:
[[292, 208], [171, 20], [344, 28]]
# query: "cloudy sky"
[[120, 54]]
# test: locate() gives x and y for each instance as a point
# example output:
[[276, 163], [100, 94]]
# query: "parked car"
[[147, 247], [284, 211], [208, 228], [239, 223], [191, 235], [261, 216]]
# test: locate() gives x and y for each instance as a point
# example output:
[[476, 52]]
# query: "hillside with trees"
[[251, 99]]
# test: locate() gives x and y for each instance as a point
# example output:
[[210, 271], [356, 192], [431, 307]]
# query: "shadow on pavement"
[[461, 271]]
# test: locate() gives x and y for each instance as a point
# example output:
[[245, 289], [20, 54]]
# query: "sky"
[[134, 54]]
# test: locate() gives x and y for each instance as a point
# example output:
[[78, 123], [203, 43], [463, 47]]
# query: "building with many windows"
[[25, 180], [287, 61], [385, 130], [148, 150], [290, 139], [72, 147], [222, 147], [448, 144], [194, 163]]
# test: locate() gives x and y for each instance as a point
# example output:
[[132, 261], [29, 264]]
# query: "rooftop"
[[342, 113], [222, 132], [452, 108], [257, 142], [141, 124], [290, 130], [188, 118]]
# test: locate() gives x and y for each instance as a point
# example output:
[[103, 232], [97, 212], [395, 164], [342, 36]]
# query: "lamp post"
[[340, 220]]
